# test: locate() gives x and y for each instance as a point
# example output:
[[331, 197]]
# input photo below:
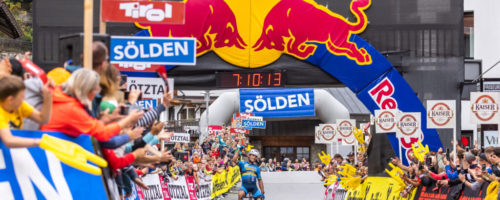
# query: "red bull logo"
[[255, 33], [293, 24], [212, 22]]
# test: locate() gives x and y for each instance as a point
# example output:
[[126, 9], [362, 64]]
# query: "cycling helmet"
[[254, 152]]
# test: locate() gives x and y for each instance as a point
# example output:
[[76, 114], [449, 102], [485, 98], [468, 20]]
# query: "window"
[[281, 153], [303, 152], [469, 34]]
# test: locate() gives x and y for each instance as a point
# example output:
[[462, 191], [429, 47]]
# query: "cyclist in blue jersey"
[[250, 173]]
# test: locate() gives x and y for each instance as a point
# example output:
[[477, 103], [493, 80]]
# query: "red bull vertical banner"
[[253, 34]]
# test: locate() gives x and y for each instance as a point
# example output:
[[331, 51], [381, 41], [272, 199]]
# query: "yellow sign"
[[378, 188]]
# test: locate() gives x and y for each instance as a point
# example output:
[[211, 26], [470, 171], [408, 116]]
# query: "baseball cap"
[[483, 156]]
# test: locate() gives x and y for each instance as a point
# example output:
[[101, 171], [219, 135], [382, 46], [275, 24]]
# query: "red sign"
[[137, 67], [239, 131], [143, 11], [214, 130]]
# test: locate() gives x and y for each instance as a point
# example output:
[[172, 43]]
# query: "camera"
[[428, 161], [124, 110]]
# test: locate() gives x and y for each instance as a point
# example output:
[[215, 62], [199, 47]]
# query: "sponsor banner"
[[151, 88], [137, 67], [147, 104], [326, 134], [155, 191], [484, 107], [408, 125], [33, 173], [386, 121], [490, 139], [240, 114], [214, 130], [457, 191], [278, 103], [157, 50], [249, 124], [491, 86], [345, 127], [335, 192], [441, 114], [392, 92], [378, 188], [180, 137], [143, 11], [239, 131]]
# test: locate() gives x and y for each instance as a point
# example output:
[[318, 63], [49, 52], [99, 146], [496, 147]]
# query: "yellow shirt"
[[14, 120]]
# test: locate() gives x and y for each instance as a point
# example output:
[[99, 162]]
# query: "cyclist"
[[250, 173]]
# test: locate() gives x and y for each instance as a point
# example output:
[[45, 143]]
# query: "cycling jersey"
[[250, 173]]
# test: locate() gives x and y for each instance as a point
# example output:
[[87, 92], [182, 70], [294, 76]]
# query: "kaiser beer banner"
[[278, 103], [441, 114], [408, 125], [33, 173], [345, 127], [386, 121], [326, 134], [143, 11], [484, 107]]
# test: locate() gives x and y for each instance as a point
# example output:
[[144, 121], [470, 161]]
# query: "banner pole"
[[400, 150], [455, 143], [338, 146], [102, 24], [88, 10], [356, 153], [331, 149]]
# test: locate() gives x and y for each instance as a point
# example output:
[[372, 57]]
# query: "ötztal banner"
[[345, 128], [408, 125], [441, 114], [484, 107], [386, 121]]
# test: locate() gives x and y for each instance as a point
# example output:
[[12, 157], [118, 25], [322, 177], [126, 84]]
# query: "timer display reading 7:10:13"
[[249, 79]]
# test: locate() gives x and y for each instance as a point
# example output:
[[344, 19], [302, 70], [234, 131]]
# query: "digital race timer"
[[250, 79]]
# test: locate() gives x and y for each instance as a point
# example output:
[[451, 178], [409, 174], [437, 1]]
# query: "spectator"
[[72, 106], [13, 109]]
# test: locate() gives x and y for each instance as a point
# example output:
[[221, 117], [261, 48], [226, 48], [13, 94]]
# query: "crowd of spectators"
[[94, 102]]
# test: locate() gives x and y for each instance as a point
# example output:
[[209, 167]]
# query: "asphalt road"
[[289, 186]]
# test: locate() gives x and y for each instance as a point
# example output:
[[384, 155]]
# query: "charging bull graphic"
[[282, 24], [212, 22], [255, 33]]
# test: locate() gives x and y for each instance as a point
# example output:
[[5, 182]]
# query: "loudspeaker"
[[71, 47]]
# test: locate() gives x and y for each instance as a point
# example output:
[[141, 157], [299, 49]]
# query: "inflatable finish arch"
[[252, 34]]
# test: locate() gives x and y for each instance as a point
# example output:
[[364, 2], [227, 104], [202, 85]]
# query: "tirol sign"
[[385, 121], [345, 128], [278, 103], [440, 114], [484, 106], [143, 11], [408, 124]]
